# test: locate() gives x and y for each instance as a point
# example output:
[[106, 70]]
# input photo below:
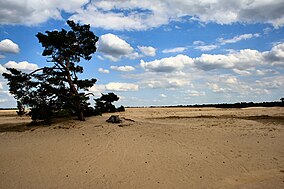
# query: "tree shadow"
[[15, 127], [32, 125]]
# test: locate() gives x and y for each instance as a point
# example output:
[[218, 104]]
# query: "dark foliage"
[[49, 91], [21, 109], [104, 103], [120, 109]]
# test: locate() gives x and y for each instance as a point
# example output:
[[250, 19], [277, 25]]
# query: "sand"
[[152, 148]]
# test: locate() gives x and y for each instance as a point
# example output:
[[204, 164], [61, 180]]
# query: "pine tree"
[[54, 89]]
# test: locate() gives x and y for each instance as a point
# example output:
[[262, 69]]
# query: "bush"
[[120, 109], [104, 103]]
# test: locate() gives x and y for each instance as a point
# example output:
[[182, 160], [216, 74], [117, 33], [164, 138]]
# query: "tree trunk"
[[77, 101], [79, 110]]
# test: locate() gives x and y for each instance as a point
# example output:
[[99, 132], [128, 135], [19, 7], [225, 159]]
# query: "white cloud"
[[35, 12], [115, 48], [102, 70], [215, 88], [122, 68], [266, 72], [275, 55], [97, 88], [116, 86], [24, 66], [2, 69], [275, 82], [163, 95], [8, 46], [245, 62], [241, 60], [242, 72], [228, 79], [167, 64], [124, 15], [198, 43], [147, 51], [206, 47], [238, 38], [194, 93], [113, 86], [251, 88], [110, 20], [174, 50], [267, 30], [163, 82]]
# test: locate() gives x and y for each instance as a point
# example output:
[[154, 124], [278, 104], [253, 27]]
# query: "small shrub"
[[120, 109]]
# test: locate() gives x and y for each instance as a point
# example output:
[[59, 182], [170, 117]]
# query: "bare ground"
[[152, 148]]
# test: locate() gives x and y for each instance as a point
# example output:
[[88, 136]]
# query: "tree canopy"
[[49, 90]]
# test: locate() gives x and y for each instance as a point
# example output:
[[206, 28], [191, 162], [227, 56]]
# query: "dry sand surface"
[[188, 148]]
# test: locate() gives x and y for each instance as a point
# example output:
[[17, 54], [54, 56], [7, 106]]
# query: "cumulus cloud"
[[228, 79], [275, 55], [114, 48], [8, 46], [24, 66], [241, 60], [167, 64], [275, 82], [174, 50], [172, 83], [215, 88], [231, 85], [123, 15], [116, 86], [147, 51], [35, 12], [102, 70], [245, 62], [113, 86], [122, 68]]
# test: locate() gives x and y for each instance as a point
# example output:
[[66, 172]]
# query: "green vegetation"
[[57, 90]]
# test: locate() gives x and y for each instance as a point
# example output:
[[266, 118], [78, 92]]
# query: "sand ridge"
[[151, 148]]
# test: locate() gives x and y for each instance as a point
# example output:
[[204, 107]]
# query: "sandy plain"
[[152, 148]]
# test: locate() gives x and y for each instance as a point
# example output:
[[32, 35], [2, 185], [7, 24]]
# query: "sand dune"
[[152, 148]]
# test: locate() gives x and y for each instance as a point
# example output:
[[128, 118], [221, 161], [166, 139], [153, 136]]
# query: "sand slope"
[[152, 148]]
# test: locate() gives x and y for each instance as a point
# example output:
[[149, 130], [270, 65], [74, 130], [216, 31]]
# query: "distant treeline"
[[228, 105]]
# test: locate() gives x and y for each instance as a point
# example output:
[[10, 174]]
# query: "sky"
[[158, 52]]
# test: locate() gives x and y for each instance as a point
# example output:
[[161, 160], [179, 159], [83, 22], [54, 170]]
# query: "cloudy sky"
[[159, 52]]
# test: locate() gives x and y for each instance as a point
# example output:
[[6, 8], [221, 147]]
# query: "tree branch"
[[89, 94], [37, 70]]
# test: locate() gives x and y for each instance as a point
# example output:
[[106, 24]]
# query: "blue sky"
[[163, 52]]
